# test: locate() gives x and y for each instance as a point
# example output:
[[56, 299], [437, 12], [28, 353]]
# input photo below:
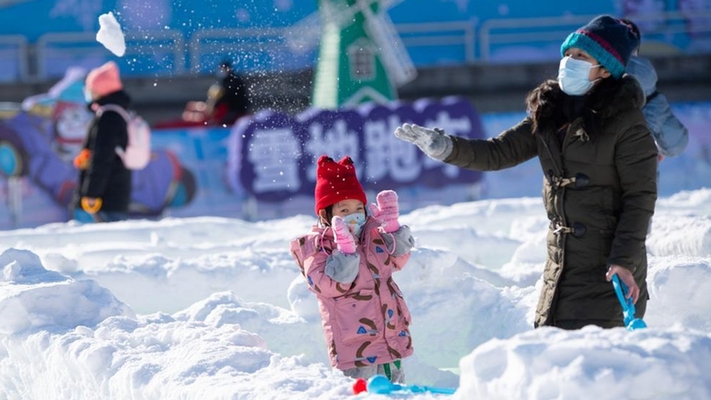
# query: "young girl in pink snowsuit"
[[348, 259]]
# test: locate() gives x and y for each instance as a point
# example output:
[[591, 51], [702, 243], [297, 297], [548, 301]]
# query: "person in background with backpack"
[[670, 135], [104, 190]]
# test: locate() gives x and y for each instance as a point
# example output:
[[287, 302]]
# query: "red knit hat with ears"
[[104, 80], [336, 181]]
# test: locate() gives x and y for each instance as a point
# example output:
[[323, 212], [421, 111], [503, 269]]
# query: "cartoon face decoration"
[[71, 122]]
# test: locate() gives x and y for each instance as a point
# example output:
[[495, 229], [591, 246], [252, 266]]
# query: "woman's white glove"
[[433, 142]]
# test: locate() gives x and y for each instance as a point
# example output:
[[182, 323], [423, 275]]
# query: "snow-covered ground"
[[215, 308]]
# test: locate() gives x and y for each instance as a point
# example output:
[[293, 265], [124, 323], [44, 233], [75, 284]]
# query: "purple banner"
[[271, 156]]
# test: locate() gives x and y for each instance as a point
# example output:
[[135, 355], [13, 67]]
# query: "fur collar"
[[547, 102], [610, 100]]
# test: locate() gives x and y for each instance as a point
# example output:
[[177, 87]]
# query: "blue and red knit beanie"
[[608, 40]]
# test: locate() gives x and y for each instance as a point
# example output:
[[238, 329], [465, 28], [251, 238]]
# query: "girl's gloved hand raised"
[[345, 242], [387, 210]]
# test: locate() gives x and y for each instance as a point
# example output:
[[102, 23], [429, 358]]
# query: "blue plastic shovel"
[[628, 309], [380, 384]]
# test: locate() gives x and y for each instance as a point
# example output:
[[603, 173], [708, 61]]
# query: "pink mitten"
[[387, 210], [343, 236]]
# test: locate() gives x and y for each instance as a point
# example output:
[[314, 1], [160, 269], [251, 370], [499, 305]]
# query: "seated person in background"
[[230, 100], [670, 135], [226, 101]]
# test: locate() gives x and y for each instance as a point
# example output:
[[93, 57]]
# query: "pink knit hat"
[[104, 80]]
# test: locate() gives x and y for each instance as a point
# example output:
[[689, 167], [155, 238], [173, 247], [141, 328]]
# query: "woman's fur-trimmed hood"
[[606, 99], [628, 95]]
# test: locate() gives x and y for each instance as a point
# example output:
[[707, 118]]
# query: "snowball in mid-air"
[[110, 34]]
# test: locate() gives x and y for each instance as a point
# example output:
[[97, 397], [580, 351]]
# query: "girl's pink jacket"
[[366, 322]]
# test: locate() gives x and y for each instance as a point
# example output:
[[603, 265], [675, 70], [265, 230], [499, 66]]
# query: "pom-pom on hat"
[[608, 40], [104, 80], [336, 181]]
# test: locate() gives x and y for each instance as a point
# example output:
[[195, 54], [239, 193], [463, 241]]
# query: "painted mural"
[[38, 144]]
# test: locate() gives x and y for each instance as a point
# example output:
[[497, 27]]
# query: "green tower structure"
[[361, 57]]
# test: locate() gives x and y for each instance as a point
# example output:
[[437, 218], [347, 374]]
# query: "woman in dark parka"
[[600, 165]]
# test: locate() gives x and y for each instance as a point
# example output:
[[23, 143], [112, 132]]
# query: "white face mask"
[[574, 76], [87, 96], [355, 222]]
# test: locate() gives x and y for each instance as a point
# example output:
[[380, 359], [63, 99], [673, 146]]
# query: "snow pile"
[[32, 298], [222, 311], [591, 363]]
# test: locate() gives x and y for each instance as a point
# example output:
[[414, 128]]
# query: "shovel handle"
[[621, 290]]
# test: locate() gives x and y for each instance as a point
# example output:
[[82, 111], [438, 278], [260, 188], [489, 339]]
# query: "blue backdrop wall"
[[477, 30]]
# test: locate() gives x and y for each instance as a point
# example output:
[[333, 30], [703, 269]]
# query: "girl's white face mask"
[[355, 222], [574, 76]]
